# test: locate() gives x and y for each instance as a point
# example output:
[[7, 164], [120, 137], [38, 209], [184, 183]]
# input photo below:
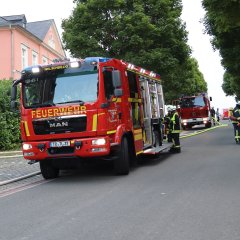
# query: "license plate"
[[60, 144]]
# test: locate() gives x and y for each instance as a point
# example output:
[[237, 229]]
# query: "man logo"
[[58, 124]]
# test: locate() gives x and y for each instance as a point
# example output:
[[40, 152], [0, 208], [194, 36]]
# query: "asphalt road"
[[193, 195]]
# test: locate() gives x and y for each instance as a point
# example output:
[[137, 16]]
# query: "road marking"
[[202, 131], [24, 187]]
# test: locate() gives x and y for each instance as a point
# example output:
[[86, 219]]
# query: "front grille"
[[60, 125], [62, 150]]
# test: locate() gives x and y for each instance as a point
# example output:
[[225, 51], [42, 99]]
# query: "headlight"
[[74, 64], [35, 70], [184, 120], [100, 141], [205, 119], [27, 146]]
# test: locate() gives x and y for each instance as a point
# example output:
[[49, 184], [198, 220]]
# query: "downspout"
[[12, 52]]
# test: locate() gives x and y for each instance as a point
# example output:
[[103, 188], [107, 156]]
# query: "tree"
[[222, 22], [9, 121], [148, 33]]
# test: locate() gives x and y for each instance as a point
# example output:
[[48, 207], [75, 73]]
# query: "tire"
[[133, 161], [121, 163], [47, 170], [208, 125]]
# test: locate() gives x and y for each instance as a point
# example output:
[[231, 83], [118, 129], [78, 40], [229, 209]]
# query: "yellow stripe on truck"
[[26, 128], [138, 137], [94, 124]]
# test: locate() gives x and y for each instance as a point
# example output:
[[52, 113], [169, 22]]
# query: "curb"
[[10, 156], [10, 152], [19, 178]]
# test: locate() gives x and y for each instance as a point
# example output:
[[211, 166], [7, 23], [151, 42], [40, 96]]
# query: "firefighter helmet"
[[171, 108]]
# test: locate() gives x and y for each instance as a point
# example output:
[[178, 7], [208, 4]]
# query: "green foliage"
[[222, 22], [9, 121], [148, 33]]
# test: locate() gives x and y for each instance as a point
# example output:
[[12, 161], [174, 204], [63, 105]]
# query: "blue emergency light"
[[96, 59]]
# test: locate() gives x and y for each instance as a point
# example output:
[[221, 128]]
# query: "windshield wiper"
[[42, 105], [74, 101]]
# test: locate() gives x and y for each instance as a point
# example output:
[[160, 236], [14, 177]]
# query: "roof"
[[40, 28], [14, 20]]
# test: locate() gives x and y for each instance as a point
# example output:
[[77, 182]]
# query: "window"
[[193, 102], [51, 42], [34, 58], [108, 84], [24, 51], [44, 60], [73, 87], [132, 84], [60, 88], [199, 102]]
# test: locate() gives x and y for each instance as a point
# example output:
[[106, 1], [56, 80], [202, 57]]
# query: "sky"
[[209, 61]]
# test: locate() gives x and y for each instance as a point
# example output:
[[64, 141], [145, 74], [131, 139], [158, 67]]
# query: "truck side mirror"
[[13, 106], [118, 92], [14, 93], [117, 83], [116, 78], [210, 98], [14, 103]]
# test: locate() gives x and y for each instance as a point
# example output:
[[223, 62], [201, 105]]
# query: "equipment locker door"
[[135, 102]]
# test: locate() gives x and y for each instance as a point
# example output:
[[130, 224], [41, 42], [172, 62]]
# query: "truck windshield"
[[193, 102], [53, 89]]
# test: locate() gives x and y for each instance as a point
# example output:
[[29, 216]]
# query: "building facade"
[[23, 44]]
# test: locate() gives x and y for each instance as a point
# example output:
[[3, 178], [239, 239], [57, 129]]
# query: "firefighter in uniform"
[[174, 130], [235, 118], [167, 120], [230, 113]]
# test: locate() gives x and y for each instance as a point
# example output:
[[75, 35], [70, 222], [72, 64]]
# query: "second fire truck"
[[92, 108], [195, 110]]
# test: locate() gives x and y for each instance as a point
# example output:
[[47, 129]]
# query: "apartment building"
[[23, 44]]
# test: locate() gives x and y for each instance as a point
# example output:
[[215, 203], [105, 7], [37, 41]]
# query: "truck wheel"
[[121, 163], [208, 125], [47, 169]]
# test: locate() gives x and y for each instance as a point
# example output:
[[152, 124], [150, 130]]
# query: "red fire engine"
[[195, 110], [225, 114], [96, 107]]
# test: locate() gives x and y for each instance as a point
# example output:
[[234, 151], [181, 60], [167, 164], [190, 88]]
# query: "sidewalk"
[[13, 165]]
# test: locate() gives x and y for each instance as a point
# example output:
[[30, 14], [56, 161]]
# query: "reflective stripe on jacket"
[[175, 123], [236, 114]]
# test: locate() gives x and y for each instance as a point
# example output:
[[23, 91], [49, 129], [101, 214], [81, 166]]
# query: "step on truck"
[[93, 108]]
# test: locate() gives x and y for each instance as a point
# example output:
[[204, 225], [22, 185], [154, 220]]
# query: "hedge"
[[9, 121]]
